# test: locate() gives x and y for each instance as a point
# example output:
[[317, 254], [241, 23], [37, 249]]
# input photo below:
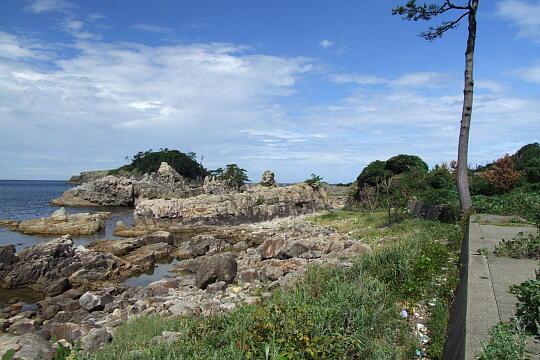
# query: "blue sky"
[[297, 87]]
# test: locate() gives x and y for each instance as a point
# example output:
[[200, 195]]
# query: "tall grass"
[[334, 313]]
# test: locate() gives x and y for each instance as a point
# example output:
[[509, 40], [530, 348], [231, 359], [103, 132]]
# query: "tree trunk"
[[463, 147]]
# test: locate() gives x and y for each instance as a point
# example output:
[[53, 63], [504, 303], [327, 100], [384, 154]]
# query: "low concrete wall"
[[455, 345]]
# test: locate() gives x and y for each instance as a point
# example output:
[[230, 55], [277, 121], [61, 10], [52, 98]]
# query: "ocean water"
[[29, 199]]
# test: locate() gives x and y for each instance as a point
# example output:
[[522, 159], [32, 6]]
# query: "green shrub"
[[232, 174], [314, 181], [516, 202], [520, 247], [528, 308], [507, 342], [149, 161], [402, 163]]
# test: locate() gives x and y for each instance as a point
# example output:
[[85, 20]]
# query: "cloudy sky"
[[298, 87]]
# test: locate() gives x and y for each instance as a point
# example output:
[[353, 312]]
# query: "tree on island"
[[233, 175], [149, 161], [412, 11]]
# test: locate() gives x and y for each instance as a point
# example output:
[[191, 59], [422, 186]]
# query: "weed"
[[520, 247], [528, 308], [507, 342]]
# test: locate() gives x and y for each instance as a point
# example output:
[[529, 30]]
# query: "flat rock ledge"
[[257, 203], [62, 223]]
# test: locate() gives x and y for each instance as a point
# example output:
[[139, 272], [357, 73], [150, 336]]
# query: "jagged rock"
[[53, 260], [87, 176], [95, 300], [57, 287], [68, 330], [166, 183], [94, 340], [216, 287], [258, 203], [7, 255], [271, 248], [108, 190], [50, 311], [248, 276], [182, 308], [26, 347], [293, 249], [213, 185], [268, 179], [24, 326], [158, 237], [60, 215], [271, 273], [216, 268], [146, 256]]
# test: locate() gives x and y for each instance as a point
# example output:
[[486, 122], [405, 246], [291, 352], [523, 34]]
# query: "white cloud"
[[421, 79], [410, 80], [13, 47], [325, 44], [358, 79], [128, 97], [152, 28], [530, 73], [39, 6], [524, 14]]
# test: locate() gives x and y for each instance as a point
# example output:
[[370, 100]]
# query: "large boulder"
[[216, 268], [257, 203], [95, 300]]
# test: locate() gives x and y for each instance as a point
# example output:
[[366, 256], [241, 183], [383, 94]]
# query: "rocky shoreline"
[[231, 247]]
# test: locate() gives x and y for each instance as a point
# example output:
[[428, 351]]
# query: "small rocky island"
[[232, 244]]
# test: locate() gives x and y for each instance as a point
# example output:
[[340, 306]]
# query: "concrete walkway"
[[489, 277]]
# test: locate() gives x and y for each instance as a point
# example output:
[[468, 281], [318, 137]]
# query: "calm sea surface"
[[29, 199]]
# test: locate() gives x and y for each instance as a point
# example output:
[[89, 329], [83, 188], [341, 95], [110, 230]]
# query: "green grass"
[[334, 313]]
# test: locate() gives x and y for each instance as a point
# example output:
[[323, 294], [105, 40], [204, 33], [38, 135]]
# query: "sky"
[[296, 87]]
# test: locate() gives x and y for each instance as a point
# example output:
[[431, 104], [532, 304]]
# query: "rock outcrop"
[[62, 223], [111, 190], [258, 203], [57, 264], [214, 186], [218, 271], [268, 179], [87, 176]]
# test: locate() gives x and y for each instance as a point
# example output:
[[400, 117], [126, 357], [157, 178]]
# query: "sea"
[[29, 199]]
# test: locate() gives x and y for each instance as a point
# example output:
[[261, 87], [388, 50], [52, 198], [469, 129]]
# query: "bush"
[[516, 202], [314, 181], [233, 175], [520, 247], [502, 174], [402, 163], [372, 174], [507, 342]]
